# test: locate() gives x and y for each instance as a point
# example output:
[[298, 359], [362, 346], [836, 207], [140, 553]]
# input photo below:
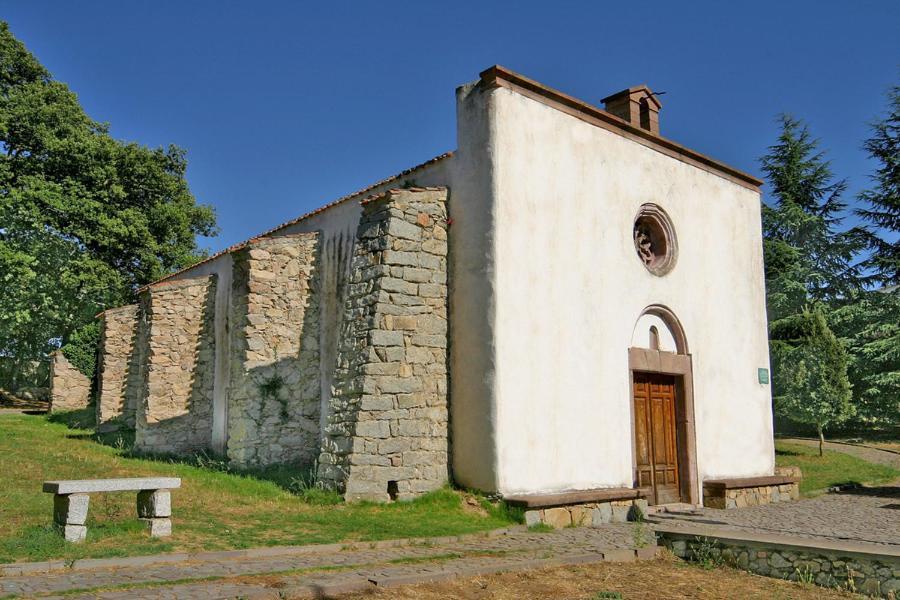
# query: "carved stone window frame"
[[662, 234]]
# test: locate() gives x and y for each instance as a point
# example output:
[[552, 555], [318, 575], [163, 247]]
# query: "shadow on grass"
[[298, 479], [84, 418], [885, 491], [782, 452]]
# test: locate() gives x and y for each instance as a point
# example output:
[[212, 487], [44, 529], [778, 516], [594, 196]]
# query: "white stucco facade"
[[563, 292]]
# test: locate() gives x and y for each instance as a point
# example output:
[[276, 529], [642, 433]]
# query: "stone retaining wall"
[[69, 388], [119, 380], [869, 573], [386, 437], [274, 394], [176, 410]]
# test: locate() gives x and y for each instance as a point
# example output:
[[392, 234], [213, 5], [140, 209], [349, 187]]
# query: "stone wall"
[[274, 393], [176, 409], [825, 564], [386, 437], [119, 369], [69, 388]]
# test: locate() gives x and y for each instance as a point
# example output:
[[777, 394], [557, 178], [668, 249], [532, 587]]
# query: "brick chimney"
[[637, 105]]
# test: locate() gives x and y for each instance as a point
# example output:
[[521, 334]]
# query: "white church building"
[[567, 310]]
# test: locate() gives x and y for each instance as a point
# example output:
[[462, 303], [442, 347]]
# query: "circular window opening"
[[654, 239]]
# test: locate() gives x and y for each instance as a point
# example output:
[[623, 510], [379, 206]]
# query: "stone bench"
[[590, 508], [751, 491], [154, 502]]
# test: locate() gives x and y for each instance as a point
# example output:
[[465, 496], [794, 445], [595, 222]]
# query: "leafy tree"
[[84, 218], [868, 324], [81, 349], [810, 384], [883, 199]]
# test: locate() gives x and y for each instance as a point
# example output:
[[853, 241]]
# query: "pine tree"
[[808, 262], [868, 324], [883, 200], [807, 213]]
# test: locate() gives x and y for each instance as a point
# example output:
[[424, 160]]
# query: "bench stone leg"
[[152, 504], [159, 527], [70, 514], [155, 508]]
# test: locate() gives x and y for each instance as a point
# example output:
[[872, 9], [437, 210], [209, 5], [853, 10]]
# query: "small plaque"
[[763, 376]]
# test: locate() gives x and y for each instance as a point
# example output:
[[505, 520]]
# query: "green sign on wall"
[[763, 376]]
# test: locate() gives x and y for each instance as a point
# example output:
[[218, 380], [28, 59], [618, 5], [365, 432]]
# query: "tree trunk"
[[821, 441]]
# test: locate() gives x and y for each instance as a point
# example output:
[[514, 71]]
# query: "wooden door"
[[655, 440]]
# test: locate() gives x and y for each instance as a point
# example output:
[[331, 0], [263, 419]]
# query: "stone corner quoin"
[[319, 352]]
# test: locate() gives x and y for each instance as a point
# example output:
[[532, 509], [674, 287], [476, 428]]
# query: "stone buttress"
[[119, 383], [69, 388], [175, 415], [386, 436], [274, 395]]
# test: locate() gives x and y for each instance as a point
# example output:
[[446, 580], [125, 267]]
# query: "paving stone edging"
[[86, 564]]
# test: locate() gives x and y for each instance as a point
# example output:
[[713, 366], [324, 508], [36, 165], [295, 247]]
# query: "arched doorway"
[[664, 457]]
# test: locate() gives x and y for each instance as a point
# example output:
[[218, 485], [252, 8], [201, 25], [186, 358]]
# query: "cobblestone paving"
[[361, 563], [866, 515]]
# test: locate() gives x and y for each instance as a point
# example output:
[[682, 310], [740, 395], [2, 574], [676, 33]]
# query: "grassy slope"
[[212, 511], [832, 469]]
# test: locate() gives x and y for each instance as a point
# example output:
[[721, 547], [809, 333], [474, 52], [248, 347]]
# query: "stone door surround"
[[71, 498], [679, 366]]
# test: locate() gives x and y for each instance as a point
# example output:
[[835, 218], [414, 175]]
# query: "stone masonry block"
[[601, 515], [557, 517], [532, 518]]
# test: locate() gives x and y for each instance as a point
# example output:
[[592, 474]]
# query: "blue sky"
[[284, 106]]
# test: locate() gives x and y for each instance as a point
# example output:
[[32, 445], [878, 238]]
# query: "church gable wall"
[[571, 284]]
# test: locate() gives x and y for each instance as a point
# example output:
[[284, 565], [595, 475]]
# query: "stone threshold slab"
[[573, 497], [749, 482], [87, 564], [864, 549]]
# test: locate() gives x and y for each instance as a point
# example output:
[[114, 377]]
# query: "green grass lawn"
[[213, 510], [834, 468]]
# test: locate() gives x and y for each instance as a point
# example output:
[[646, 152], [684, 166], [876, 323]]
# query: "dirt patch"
[[650, 580], [471, 505]]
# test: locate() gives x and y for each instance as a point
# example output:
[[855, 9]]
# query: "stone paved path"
[[870, 515], [299, 573]]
